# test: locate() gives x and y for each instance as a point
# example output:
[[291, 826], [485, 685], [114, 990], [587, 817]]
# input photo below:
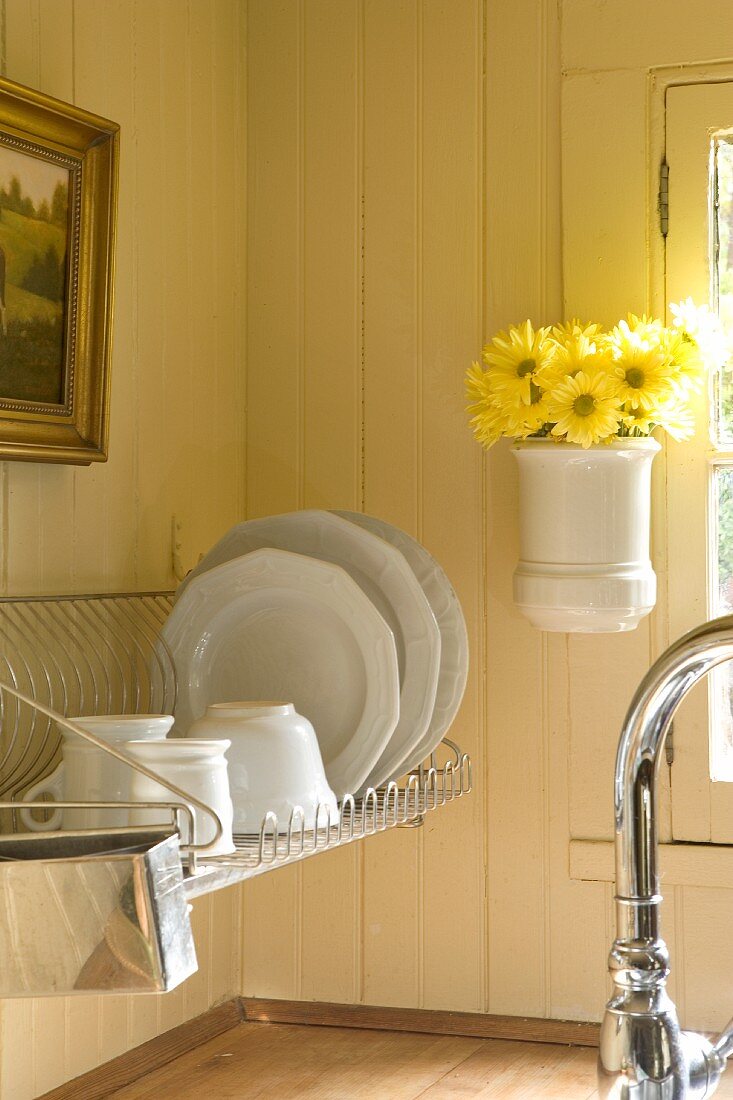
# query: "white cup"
[[197, 767], [88, 773], [275, 764]]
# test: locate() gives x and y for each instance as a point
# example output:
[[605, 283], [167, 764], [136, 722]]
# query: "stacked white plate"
[[343, 615]]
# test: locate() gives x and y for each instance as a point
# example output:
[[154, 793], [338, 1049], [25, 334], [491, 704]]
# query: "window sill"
[[680, 864]]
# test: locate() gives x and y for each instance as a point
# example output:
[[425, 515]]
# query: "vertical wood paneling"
[[196, 992], [330, 938], [577, 991], [392, 89], [421, 235], [331, 156], [56, 486], [225, 299], [105, 496], [156, 441], [174, 80], [514, 289], [393, 76], [331, 418], [225, 959], [16, 1060], [274, 257], [176, 86], [274, 243], [48, 1065], [83, 1036], [708, 954], [271, 935], [450, 469], [164, 285]]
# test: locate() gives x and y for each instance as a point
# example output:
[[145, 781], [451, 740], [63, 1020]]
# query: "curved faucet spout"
[[643, 1052], [641, 746]]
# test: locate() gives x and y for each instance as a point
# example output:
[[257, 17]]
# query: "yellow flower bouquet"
[[580, 384]]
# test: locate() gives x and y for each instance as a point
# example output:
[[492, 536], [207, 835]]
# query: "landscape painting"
[[34, 240]]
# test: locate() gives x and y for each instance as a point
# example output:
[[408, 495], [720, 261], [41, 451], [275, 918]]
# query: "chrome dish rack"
[[97, 654]]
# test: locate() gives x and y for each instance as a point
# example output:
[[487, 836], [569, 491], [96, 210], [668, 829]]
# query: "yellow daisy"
[[687, 316], [577, 353], [573, 328], [515, 359], [488, 420], [675, 416], [524, 420], [648, 328], [703, 326], [586, 409], [685, 358], [637, 422], [643, 373]]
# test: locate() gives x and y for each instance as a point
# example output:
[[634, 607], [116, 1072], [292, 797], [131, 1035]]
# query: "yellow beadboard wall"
[[403, 183], [405, 200], [172, 74], [365, 300]]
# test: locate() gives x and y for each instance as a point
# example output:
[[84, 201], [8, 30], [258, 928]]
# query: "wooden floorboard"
[[290, 1062], [260, 1061], [509, 1069]]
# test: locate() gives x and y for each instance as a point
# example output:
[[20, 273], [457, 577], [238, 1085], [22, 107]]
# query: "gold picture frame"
[[58, 204]]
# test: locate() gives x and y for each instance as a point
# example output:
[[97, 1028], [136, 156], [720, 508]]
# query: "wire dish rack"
[[393, 806], [104, 654]]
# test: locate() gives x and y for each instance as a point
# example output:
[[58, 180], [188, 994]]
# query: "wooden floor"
[[292, 1062]]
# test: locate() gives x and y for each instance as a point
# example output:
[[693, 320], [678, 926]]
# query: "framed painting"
[[58, 199]]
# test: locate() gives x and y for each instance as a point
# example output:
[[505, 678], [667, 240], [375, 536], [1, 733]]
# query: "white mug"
[[89, 773], [197, 767]]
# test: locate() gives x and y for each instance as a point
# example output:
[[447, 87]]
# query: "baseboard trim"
[[474, 1024], [128, 1068]]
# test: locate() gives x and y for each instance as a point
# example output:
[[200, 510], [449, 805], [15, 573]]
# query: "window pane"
[[722, 694], [724, 533], [722, 276]]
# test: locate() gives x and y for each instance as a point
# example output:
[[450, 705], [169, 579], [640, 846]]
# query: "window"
[[699, 473]]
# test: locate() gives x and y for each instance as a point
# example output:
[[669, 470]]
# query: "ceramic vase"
[[584, 521]]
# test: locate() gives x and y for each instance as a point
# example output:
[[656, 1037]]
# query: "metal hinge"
[[669, 746], [664, 198]]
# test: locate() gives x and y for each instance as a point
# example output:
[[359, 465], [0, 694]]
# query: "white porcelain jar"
[[198, 767], [88, 773], [584, 520], [275, 763]]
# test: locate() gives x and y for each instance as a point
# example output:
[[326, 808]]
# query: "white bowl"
[[275, 764]]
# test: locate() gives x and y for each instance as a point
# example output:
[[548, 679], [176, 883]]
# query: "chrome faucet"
[[644, 1054]]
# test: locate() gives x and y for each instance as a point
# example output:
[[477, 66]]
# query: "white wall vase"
[[584, 518]]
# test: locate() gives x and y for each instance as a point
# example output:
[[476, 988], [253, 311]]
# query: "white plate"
[[385, 577], [453, 637], [276, 625]]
